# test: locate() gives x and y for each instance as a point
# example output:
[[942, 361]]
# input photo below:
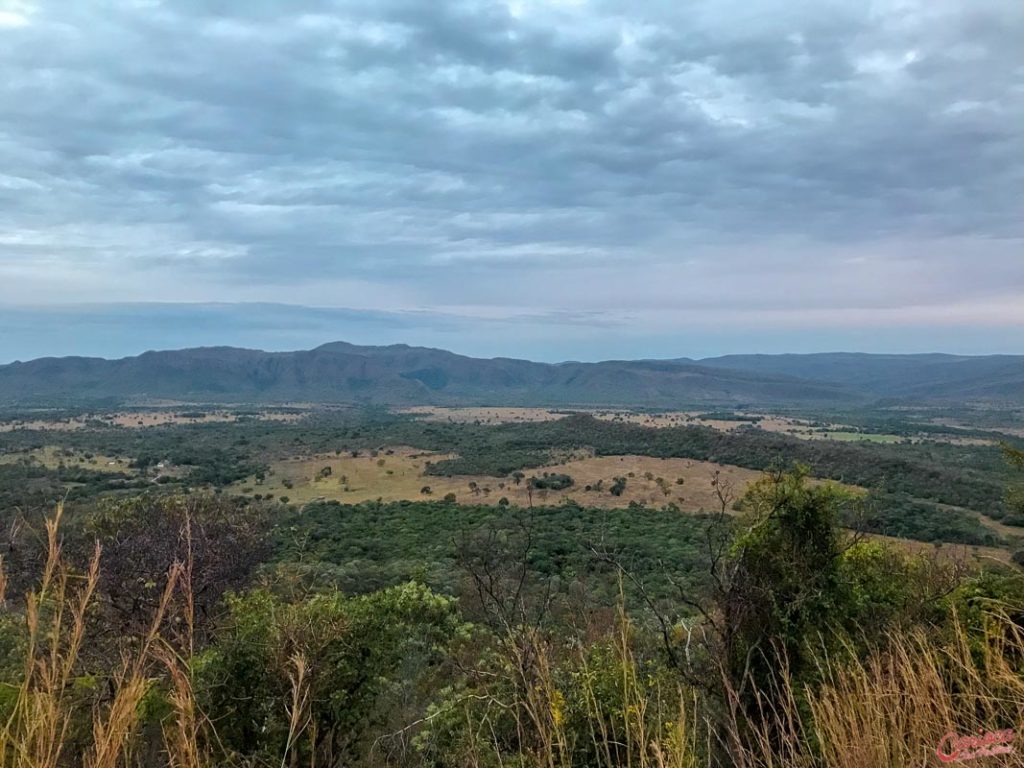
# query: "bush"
[[551, 481], [351, 654], [617, 487]]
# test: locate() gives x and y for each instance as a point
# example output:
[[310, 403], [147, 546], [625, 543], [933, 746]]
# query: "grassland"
[[397, 474], [513, 415], [52, 457], [795, 427], [138, 419]]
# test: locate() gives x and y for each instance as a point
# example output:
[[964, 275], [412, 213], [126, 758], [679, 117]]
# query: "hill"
[[395, 375], [403, 375], [917, 377]]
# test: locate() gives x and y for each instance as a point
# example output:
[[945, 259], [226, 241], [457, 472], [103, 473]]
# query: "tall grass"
[[890, 709], [48, 709], [895, 708]]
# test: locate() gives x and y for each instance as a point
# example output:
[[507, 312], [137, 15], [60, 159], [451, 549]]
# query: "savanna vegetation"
[[154, 614]]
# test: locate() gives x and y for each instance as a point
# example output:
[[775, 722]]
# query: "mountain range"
[[403, 375]]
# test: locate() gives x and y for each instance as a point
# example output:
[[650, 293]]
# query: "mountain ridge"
[[401, 374]]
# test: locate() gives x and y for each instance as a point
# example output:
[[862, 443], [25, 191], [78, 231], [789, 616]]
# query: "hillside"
[[405, 375], [920, 377], [399, 374]]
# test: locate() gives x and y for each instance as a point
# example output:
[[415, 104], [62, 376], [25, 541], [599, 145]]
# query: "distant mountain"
[[396, 375], [915, 377], [404, 375]]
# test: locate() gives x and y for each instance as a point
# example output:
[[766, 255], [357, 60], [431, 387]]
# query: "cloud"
[[524, 157]]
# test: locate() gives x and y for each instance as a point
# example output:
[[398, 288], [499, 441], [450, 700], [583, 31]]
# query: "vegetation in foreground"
[[803, 646]]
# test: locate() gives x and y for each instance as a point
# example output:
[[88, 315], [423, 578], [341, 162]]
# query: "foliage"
[[215, 631], [358, 657], [618, 486], [896, 514], [143, 536], [373, 545], [967, 476], [552, 481], [786, 584], [1015, 492], [293, 676]]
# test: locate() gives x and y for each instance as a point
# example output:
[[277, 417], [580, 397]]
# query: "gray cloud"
[[518, 158]]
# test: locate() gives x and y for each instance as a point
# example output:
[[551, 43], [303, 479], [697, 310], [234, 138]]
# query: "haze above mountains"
[[402, 375]]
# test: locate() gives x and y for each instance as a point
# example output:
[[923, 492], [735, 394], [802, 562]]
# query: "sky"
[[559, 179]]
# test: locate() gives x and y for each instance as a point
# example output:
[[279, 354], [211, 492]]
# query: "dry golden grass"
[[161, 418], [400, 476], [37, 729], [53, 456], [391, 477], [963, 552], [916, 701], [142, 418], [649, 481], [482, 414], [911, 703]]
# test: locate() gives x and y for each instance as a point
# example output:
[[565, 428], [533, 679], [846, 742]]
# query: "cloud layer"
[[645, 165]]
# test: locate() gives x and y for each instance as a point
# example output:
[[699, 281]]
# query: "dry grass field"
[[510, 415], [392, 475], [52, 457], [399, 474], [969, 553], [139, 419], [482, 415], [142, 419], [799, 428]]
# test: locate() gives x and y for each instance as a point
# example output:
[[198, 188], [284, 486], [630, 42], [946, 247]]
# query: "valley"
[[450, 528]]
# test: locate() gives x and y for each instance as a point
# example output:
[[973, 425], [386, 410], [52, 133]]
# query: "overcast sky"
[[550, 179]]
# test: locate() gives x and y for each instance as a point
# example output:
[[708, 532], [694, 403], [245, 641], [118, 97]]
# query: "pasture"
[[399, 473]]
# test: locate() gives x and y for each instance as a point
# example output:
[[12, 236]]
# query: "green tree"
[[783, 580], [1015, 496], [361, 660], [1015, 493]]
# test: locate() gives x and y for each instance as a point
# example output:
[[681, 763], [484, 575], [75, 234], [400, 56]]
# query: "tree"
[[352, 660], [618, 486], [220, 542], [1015, 493], [779, 584]]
